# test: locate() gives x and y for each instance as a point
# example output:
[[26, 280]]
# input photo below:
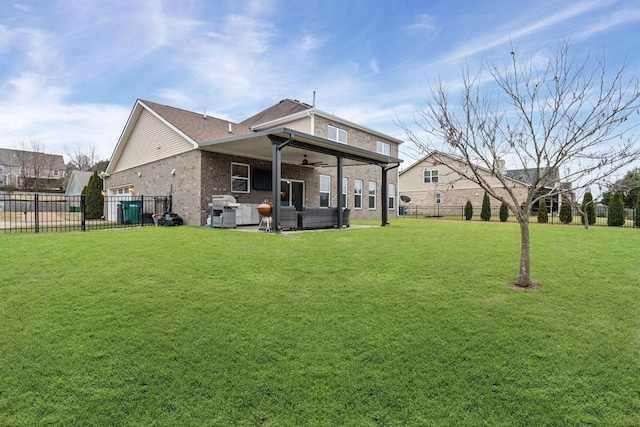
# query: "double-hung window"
[[430, 176], [438, 199], [383, 148], [336, 134], [372, 195], [343, 196], [239, 178], [357, 194], [325, 191], [392, 196]]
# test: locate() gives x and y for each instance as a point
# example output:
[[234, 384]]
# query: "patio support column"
[[276, 176], [385, 216], [339, 192], [385, 195]]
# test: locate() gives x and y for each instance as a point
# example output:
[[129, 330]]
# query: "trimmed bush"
[[485, 214], [566, 216], [504, 212], [637, 214], [94, 200], [468, 211], [615, 217], [589, 207], [543, 216]]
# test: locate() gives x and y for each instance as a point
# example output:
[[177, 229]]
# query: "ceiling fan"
[[306, 162]]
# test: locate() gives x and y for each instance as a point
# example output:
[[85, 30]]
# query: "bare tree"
[[569, 115], [37, 168], [82, 159]]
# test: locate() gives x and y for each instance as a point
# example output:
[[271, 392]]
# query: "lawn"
[[413, 324]]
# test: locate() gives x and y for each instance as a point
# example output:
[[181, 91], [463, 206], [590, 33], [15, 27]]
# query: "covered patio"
[[287, 146]]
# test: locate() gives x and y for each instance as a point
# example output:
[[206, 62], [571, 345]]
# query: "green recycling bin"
[[131, 211]]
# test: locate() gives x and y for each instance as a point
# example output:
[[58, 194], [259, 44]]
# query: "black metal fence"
[[37, 213], [457, 213]]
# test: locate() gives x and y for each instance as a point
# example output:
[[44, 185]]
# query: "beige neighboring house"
[[291, 154], [431, 182], [77, 181], [21, 169]]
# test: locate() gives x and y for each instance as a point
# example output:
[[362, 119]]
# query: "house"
[[32, 170], [433, 181], [291, 154], [77, 181]]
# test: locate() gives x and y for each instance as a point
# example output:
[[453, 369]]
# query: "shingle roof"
[[10, 157], [527, 175], [195, 125], [284, 108]]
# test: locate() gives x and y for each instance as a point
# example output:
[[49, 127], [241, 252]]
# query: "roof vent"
[[230, 130], [204, 116]]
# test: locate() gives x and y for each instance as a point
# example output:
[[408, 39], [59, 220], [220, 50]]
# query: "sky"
[[71, 70]]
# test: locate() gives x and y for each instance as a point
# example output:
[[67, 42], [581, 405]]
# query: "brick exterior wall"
[[368, 173]]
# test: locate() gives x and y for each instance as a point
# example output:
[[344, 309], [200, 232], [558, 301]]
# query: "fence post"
[[140, 216], [36, 213], [83, 206]]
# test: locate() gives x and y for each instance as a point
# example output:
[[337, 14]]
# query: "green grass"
[[412, 324]]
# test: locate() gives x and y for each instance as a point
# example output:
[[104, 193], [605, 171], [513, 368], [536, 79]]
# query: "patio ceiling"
[[319, 151]]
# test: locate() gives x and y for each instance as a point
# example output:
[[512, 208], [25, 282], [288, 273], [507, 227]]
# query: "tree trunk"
[[585, 218], [524, 276]]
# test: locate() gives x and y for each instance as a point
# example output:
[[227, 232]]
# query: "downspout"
[[385, 199]]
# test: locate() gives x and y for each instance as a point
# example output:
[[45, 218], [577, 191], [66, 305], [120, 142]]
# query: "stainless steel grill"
[[223, 211]]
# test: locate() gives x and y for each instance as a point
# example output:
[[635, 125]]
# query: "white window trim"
[[338, 131], [325, 192], [383, 148], [430, 172], [345, 193], [375, 196], [392, 197], [236, 177], [355, 195], [438, 198]]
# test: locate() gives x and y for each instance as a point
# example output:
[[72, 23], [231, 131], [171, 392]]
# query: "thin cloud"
[[493, 39]]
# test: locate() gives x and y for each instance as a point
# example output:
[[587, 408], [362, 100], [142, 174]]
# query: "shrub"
[[615, 217], [485, 214], [504, 212], [589, 207], [566, 216], [468, 210], [543, 216], [637, 214], [94, 200]]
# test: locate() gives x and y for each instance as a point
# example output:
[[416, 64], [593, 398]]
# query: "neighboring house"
[[77, 181], [313, 157], [30, 170], [431, 182]]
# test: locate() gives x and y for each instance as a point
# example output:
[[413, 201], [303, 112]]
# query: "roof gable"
[[198, 127], [284, 108]]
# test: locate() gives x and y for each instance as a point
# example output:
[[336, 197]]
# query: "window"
[[343, 196], [431, 176], [336, 134], [392, 196], [239, 178], [1, 168], [437, 198], [325, 191], [372, 195], [56, 172], [357, 196], [383, 148]]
